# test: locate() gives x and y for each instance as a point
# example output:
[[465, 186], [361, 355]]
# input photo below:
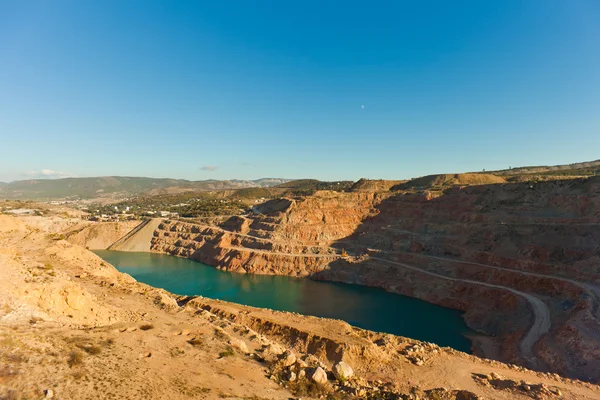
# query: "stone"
[[291, 376], [301, 374], [301, 363], [274, 348], [287, 359], [319, 376], [49, 393], [342, 371], [272, 353], [240, 345]]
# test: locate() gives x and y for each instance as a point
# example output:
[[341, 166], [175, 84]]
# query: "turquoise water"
[[361, 306]]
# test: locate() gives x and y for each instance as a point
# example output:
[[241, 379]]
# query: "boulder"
[[319, 376], [287, 359], [272, 352], [240, 345], [342, 371], [290, 376]]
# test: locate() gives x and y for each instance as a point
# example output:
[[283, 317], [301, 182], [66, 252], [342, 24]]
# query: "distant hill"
[[373, 185], [308, 186], [118, 186], [441, 181], [576, 169]]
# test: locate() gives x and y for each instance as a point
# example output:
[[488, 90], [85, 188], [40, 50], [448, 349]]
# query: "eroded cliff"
[[521, 259]]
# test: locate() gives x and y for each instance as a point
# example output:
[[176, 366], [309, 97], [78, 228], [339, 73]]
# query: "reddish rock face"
[[522, 260]]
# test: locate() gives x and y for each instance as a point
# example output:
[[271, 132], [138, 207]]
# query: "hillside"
[[117, 186], [309, 186], [73, 327], [371, 185], [575, 169], [520, 259], [442, 181]]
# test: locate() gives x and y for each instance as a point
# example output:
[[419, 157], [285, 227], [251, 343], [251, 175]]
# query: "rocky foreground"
[[72, 327]]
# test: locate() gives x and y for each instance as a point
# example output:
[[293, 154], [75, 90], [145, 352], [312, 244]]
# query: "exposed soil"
[[71, 326]]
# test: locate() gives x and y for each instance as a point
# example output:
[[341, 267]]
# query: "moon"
[[362, 106]]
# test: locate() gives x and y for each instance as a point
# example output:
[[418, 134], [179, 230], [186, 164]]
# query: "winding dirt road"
[[541, 323]]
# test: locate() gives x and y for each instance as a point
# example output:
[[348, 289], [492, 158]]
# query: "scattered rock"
[[287, 359], [49, 393], [290, 376], [556, 391], [301, 363], [272, 352], [494, 375], [240, 345], [319, 376], [342, 371]]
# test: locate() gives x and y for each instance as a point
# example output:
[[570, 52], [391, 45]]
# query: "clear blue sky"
[[248, 89]]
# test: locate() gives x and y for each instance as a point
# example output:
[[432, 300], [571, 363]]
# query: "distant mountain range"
[[118, 186]]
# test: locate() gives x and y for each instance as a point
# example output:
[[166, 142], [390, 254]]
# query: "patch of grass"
[[146, 327], [308, 388], [220, 334], [92, 350], [228, 352], [75, 358], [86, 345], [56, 236], [176, 352]]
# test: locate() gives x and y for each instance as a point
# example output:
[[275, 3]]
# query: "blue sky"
[[249, 89]]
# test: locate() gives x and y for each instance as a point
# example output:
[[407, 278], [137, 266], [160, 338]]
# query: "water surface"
[[365, 307]]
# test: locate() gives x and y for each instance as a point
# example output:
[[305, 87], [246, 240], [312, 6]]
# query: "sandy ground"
[[73, 325], [139, 239]]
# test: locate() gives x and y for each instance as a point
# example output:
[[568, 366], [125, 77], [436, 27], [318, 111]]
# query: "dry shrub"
[[75, 358]]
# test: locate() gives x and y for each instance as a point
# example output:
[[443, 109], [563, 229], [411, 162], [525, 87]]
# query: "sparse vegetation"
[[187, 205], [92, 350], [220, 334], [228, 352], [75, 358], [306, 388], [176, 351], [306, 187]]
